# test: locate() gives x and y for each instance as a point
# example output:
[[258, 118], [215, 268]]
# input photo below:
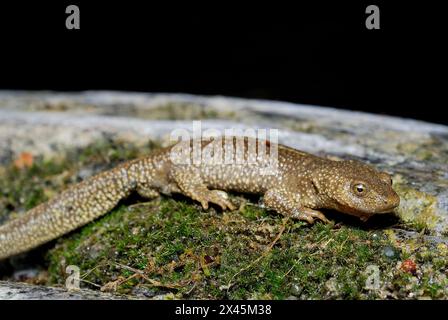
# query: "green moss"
[[167, 240], [174, 246]]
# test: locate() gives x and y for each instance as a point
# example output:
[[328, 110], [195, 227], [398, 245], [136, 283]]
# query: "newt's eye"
[[360, 189]]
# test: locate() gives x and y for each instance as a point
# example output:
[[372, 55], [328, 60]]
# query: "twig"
[[142, 274], [268, 249]]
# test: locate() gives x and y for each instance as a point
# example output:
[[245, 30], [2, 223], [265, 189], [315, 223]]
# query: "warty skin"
[[301, 185]]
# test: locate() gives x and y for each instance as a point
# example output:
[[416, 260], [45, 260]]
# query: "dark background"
[[315, 54]]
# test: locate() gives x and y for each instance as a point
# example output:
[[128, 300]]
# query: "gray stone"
[[416, 152], [22, 291]]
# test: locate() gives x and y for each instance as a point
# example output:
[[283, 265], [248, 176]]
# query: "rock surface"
[[23, 291], [415, 152]]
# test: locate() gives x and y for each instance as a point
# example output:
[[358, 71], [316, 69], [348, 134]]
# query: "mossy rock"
[[419, 209], [172, 247]]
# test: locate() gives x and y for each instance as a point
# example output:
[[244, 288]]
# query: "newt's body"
[[302, 184]]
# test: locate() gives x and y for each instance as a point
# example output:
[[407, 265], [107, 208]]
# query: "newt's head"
[[356, 188]]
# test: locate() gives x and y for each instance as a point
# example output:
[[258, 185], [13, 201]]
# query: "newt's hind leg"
[[191, 184], [147, 192]]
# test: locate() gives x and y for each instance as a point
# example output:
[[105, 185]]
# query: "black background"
[[286, 309], [319, 53]]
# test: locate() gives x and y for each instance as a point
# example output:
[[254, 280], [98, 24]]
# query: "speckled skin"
[[302, 184]]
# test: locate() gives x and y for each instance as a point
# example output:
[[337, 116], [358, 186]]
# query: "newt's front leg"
[[286, 205]]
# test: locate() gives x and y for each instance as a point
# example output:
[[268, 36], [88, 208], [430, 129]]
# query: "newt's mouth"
[[391, 203], [364, 215], [388, 205]]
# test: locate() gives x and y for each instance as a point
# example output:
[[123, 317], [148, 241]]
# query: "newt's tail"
[[71, 209]]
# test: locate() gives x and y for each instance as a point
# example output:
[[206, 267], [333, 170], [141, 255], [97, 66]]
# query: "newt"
[[299, 187]]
